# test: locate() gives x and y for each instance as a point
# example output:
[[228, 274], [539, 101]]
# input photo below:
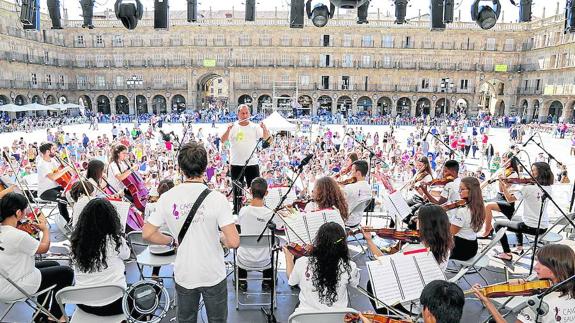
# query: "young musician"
[[422, 176], [323, 277], [17, 251], [501, 204], [164, 186], [351, 158], [253, 219], [532, 203], [244, 137], [356, 192], [118, 169], [81, 192], [442, 302], [450, 192], [555, 262], [98, 255], [48, 172], [327, 195], [466, 221], [95, 173], [199, 271]]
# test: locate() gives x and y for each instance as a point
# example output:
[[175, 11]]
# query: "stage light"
[[441, 13], [192, 10], [570, 16], [400, 11], [129, 12], [485, 16], [362, 12], [320, 14]]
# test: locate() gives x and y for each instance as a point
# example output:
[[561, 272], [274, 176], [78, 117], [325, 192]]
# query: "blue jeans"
[[215, 298]]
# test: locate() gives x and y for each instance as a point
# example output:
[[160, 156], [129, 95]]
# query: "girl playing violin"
[[327, 195], [468, 220], [532, 199], [501, 204], [554, 262]]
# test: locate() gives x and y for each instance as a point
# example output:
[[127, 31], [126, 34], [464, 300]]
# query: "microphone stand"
[[369, 167], [270, 225], [538, 300], [543, 198], [237, 179]]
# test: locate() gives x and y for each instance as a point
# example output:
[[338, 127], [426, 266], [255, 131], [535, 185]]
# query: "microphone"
[[427, 133], [305, 161], [538, 306], [528, 140]]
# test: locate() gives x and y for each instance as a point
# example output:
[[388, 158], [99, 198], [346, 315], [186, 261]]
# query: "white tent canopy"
[[63, 106], [35, 107], [275, 122], [13, 108]]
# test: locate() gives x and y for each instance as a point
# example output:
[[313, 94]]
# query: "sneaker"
[[243, 286]]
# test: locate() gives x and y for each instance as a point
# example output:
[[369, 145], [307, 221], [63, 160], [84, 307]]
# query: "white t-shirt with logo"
[[531, 196], [561, 309], [461, 217], [17, 261], [355, 193], [243, 140], [451, 193], [45, 168], [114, 170], [308, 295], [200, 257], [252, 221]]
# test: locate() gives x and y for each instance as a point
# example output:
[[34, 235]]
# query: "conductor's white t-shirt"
[[243, 140], [200, 257]]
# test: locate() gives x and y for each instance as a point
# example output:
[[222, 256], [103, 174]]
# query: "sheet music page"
[[409, 277], [399, 205], [429, 267], [122, 208], [275, 194], [332, 216], [296, 228], [384, 281], [314, 221]]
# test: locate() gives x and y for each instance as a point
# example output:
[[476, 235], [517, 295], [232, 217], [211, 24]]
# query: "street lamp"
[[446, 85], [132, 83]]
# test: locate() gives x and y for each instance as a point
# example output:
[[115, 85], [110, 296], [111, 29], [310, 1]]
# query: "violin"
[[407, 236], [300, 204], [375, 318], [441, 181], [519, 181], [27, 224], [454, 205], [508, 289], [298, 250], [350, 180]]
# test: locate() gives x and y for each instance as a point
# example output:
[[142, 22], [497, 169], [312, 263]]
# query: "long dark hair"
[[560, 259], [116, 152], [95, 169], [98, 222], [327, 194], [475, 202], [330, 250], [434, 231], [11, 203], [513, 164], [544, 173]]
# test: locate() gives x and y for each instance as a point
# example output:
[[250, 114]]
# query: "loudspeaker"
[[525, 10], [448, 11], [30, 14], [570, 16], [161, 14], [54, 11], [436, 12], [192, 10], [362, 13], [296, 14], [250, 10]]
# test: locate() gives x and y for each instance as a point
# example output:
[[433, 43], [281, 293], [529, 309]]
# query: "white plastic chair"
[[146, 258], [250, 241], [28, 299], [360, 206], [480, 261], [317, 316], [83, 295]]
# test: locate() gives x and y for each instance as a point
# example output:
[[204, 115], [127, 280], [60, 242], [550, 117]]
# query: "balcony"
[[156, 42], [138, 42], [367, 43], [117, 43], [529, 91]]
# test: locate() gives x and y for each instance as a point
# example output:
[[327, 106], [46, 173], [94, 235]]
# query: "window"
[[366, 61], [285, 60], [82, 81], [34, 79], [325, 82], [46, 56], [367, 41], [245, 79], [345, 80], [491, 44], [286, 40], [245, 40], [407, 42], [464, 84], [61, 80], [219, 91], [80, 40], [220, 40], [100, 81], [304, 80], [509, 45], [118, 60], [347, 60], [386, 61], [117, 41], [285, 78], [424, 84], [324, 60], [347, 41], [99, 41], [387, 41], [48, 79], [537, 84], [325, 40], [306, 41], [305, 60], [266, 40], [266, 80]]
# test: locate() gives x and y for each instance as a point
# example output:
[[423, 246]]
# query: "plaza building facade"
[[523, 69]]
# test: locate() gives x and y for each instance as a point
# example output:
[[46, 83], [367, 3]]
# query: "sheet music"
[[123, 208], [275, 194], [296, 228], [384, 281], [409, 277], [396, 205], [429, 268], [314, 220], [332, 216]]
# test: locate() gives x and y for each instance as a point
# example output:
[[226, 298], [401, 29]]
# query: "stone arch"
[[264, 102], [103, 104], [284, 102], [141, 104], [86, 102], [365, 105], [422, 107], [178, 103], [247, 100], [20, 100], [403, 107], [555, 111], [524, 109], [305, 104], [499, 108], [324, 104], [536, 110], [37, 99], [122, 105], [50, 99], [442, 107], [4, 99], [207, 86], [159, 105], [344, 105], [384, 105], [462, 106], [491, 91]]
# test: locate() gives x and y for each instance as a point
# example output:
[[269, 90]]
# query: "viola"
[[298, 250], [375, 318], [519, 181], [508, 289], [301, 204], [441, 181], [27, 224], [387, 233], [454, 205], [350, 180], [137, 189]]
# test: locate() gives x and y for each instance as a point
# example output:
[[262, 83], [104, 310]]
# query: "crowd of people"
[[204, 188]]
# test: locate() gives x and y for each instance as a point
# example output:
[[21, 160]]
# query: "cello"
[[138, 190]]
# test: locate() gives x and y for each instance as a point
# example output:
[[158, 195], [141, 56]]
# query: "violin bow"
[[377, 301], [73, 167], [22, 185]]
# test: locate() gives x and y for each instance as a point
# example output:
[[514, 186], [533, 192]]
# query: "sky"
[[510, 12]]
